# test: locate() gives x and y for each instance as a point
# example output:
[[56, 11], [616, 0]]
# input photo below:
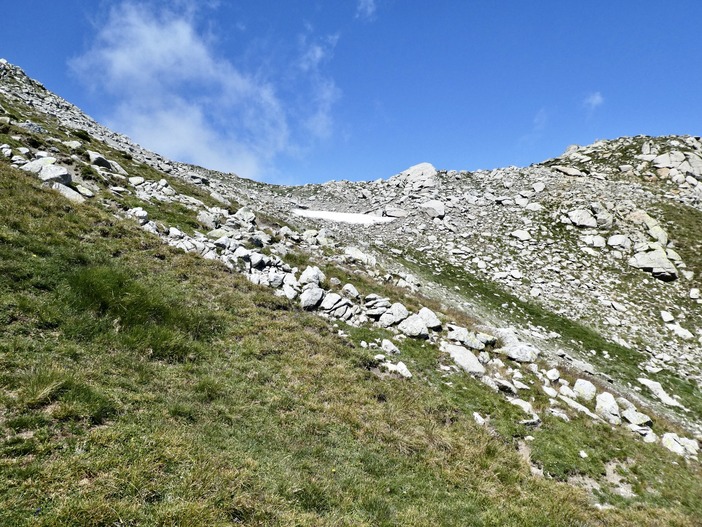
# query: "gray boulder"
[[430, 318], [68, 193], [394, 315], [464, 359], [311, 298], [54, 173], [656, 262], [38, 164], [414, 326], [584, 390], [311, 275], [608, 409], [99, 160], [582, 218], [435, 208]]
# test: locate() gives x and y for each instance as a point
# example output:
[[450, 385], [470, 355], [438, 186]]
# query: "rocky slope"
[[569, 288]]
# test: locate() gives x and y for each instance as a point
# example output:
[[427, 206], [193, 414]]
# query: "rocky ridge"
[[555, 234]]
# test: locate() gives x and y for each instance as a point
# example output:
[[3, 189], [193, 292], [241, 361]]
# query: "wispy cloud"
[[324, 92], [366, 9], [173, 93], [538, 125], [593, 101]]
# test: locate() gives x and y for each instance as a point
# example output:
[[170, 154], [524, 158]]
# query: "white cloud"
[[175, 95], [365, 9], [538, 126], [593, 101]]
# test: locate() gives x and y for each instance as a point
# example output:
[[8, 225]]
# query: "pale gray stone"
[[584, 389], [464, 359], [607, 408], [430, 318], [311, 298], [414, 326], [68, 193]]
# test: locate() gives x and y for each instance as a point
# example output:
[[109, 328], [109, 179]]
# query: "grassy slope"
[[140, 385]]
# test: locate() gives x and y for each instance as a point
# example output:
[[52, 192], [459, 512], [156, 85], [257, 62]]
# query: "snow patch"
[[344, 217]]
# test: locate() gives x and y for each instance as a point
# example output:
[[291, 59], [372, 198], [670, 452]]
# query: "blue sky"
[[307, 91]]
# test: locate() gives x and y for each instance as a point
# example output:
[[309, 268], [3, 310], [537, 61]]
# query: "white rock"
[[672, 442], [350, 291], [311, 297], [311, 275], [35, 166], [54, 173], [435, 208], [414, 326], [464, 359], [388, 347], [430, 318], [394, 315], [608, 409], [636, 418], [521, 234], [359, 256], [582, 218], [553, 375], [667, 316], [584, 389], [68, 193], [524, 405], [659, 392]]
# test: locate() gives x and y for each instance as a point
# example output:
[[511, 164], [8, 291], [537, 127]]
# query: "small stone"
[[667, 316], [553, 375], [388, 347]]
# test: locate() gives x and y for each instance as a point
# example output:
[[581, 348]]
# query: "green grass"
[[143, 386], [263, 416]]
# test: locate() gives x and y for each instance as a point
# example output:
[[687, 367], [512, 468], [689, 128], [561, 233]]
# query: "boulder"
[[38, 164], [608, 409], [388, 347], [68, 192], [54, 174], [350, 291], [395, 212], [414, 326], [99, 160], [521, 235], [582, 218], [311, 275], [359, 256], [656, 262], [636, 418], [584, 389], [464, 359], [430, 318], [394, 315], [311, 298], [658, 391], [568, 171], [435, 208]]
